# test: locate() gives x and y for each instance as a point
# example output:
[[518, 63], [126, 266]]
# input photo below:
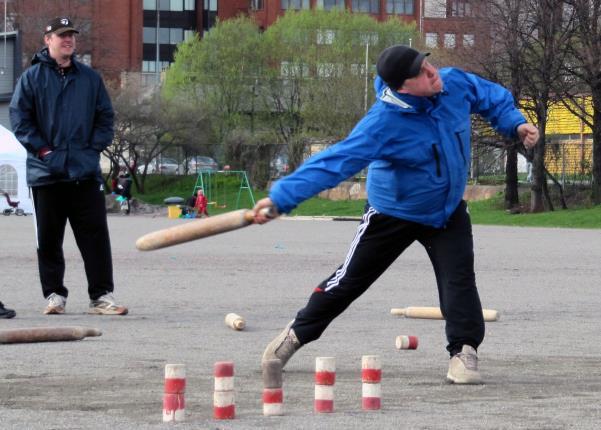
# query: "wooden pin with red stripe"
[[325, 377], [224, 400], [371, 376], [406, 342], [173, 397], [273, 395]]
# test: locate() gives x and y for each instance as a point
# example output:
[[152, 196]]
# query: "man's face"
[[426, 84], [60, 45]]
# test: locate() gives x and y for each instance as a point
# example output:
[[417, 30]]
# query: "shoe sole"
[[119, 311], [54, 311], [458, 381]]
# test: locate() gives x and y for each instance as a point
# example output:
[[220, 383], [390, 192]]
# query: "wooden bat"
[[46, 334], [433, 313], [195, 230]]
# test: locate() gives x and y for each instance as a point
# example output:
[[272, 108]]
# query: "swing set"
[[219, 188]]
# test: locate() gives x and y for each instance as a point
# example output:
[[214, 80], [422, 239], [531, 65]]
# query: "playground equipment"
[[220, 186]]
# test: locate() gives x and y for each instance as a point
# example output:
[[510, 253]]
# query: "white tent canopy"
[[12, 171]]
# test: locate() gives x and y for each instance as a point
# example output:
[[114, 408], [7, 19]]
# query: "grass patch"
[[491, 212]]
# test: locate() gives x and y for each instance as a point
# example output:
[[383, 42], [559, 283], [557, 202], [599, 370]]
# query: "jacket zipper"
[[437, 158], [461, 146]]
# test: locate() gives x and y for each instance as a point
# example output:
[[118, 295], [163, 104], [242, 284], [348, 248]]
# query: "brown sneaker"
[[56, 304], [463, 367], [106, 305], [283, 346]]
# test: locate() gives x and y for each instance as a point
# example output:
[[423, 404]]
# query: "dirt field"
[[541, 361]]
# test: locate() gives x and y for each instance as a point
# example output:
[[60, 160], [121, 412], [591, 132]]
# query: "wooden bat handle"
[[433, 313], [46, 334]]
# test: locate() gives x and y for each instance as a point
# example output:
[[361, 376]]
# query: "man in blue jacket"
[[62, 115], [416, 141]]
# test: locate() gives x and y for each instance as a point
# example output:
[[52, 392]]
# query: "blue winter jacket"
[[71, 115], [417, 150]]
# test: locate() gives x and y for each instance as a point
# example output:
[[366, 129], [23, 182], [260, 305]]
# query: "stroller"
[[14, 207]]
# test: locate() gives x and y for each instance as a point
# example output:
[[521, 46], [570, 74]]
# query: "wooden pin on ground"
[[235, 321], [433, 313], [46, 334]]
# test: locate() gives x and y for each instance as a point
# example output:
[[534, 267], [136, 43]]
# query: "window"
[[176, 35], [330, 4], [431, 40], [164, 36], [176, 6], [367, 6], [358, 69], [188, 34], [256, 4], [468, 40], [211, 5], [369, 38], [459, 8], [399, 7], [288, 69], [296, 4], [9, 179], [150, 4], [329, 70], [149, 66], [449, 40], [149, 35], [190, 4], [164, 5], [325, 37]]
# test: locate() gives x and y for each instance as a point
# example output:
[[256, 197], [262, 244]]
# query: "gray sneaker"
[[106, 305], [283, 346], [463, 367], [56, 304]]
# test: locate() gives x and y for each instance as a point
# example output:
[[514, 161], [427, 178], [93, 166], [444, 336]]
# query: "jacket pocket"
[[56, 162], [461, 148], [437, 159]]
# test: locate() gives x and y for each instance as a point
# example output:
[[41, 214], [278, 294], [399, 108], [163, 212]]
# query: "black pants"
[[83, 204], [380, 239]]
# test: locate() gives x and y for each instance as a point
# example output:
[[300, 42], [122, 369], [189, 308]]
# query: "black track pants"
[[379, 240], [83, 204]]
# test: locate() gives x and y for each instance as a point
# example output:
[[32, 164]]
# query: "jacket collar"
[[43, 56]]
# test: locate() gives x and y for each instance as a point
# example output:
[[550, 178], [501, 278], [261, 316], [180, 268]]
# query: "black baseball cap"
[[59, 25], [398, 63]]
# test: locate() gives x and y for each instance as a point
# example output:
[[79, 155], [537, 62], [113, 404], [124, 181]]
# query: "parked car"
[[166, 166], [201, 163]]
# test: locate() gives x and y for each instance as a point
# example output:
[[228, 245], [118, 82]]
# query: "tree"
[[219, 73], [148, 126], [319, 83], [585, 51]]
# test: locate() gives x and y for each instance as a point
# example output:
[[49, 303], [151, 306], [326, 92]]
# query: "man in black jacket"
[[62, 115]]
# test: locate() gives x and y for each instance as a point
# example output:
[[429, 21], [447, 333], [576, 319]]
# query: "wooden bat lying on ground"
[[196, 229], [433, 313], [46, 334]]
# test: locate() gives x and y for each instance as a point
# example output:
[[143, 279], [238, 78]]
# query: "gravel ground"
[[540, 361]]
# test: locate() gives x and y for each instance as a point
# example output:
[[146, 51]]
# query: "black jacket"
[[71, 114]]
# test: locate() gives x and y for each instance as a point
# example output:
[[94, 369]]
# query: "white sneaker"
[[106, 305], [56, 304], [463, 367]]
